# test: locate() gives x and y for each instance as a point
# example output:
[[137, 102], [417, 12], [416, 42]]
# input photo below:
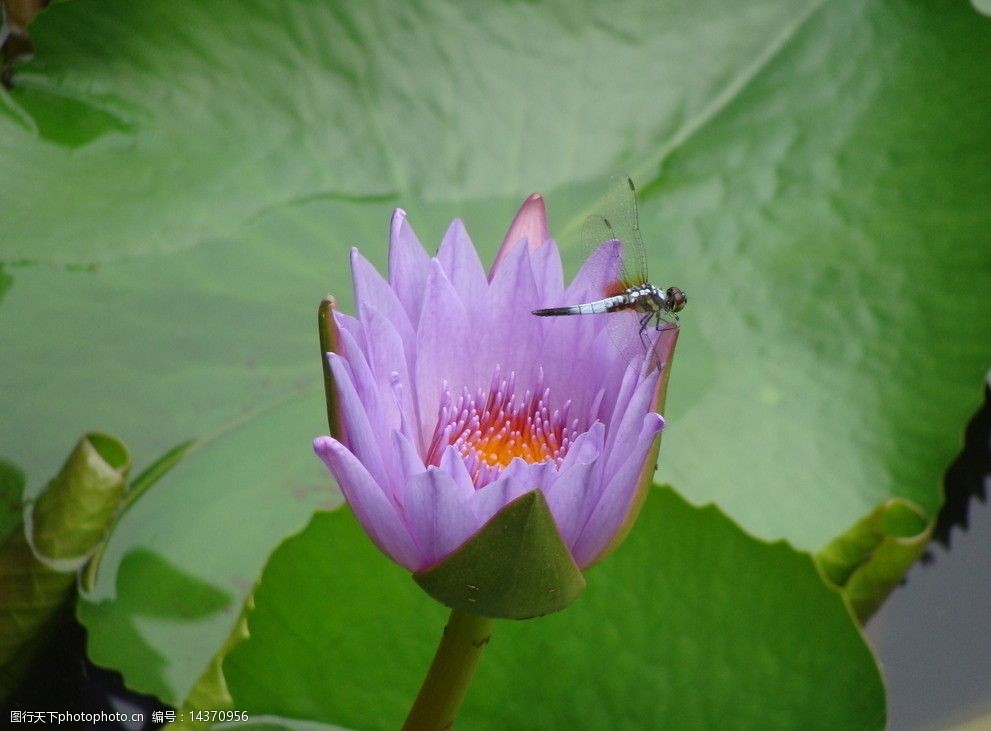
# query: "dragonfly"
[[638, 305]]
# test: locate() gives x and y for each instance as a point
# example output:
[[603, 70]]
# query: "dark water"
[[933, 635]]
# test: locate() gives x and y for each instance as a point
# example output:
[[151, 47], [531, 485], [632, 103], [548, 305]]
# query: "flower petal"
[[587, 446], [353, 326], [598, 271], [562, 337], [370, 288], [381, 405], [408, 265], [547, 269], [365, 384], [610, 374], [442, 352], [636, 399], [359, 437], [370, 505], [618, 499], [438, 514], [568, 495], [513, 334], [452, 463], [531, 475], [408, 459], [530, 225], [464, 269], [390, 365], [567, 500], [489, 500]]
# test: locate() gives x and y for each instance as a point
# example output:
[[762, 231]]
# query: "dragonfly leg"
[[662, 323], [643, 330]]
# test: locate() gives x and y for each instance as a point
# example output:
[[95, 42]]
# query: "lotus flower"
[[452, 399]]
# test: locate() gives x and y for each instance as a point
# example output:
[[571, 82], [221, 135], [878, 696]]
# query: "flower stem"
[[436, 706]]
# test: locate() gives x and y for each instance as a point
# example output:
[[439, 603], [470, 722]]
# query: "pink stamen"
[[490, 430]]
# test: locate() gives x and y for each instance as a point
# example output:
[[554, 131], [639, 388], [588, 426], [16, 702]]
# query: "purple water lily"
[[453, 399]]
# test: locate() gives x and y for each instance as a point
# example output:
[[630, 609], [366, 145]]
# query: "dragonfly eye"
[[676, 299]]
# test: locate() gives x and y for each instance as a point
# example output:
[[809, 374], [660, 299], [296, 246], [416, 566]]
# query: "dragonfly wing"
[[601, 270], [624, 331], [618, 220], [642, 348], [622, 202], [597, 231], [632, 332]]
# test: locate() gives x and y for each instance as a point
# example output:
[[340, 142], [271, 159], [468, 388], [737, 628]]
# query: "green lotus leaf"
[[690, 624], [183, 181]]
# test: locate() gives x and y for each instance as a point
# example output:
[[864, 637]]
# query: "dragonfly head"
[[675, 299]]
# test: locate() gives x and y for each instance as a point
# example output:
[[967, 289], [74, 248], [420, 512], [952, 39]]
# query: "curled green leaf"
[[867, 562], [73, 514], [38, 562]]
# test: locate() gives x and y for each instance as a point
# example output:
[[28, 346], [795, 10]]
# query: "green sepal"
[[329, 343], [515, 567], [866, 562]]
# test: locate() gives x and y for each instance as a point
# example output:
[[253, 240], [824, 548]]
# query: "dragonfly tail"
[[555, 311]]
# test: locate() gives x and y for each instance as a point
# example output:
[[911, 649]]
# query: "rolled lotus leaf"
[[872, 557], [40, 557]]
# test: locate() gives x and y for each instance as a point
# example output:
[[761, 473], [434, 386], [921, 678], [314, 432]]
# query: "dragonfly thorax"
[[648, 298]]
